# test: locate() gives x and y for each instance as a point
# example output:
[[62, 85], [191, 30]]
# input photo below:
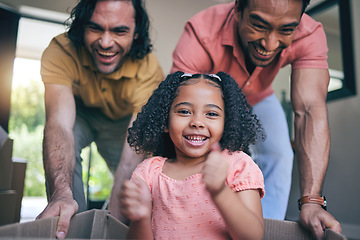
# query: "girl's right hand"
[[215, 171], [135, 200]]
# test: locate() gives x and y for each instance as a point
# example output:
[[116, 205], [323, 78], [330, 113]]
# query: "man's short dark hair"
[[242, 4], [82, 12]]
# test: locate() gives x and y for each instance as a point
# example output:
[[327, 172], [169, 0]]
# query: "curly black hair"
[[242, 4], [82, 12], [241, 129]]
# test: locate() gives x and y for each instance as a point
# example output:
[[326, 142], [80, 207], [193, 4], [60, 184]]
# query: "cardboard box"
[[7, 206], [10, 200], [93, 224], [5, 160], [98, 224], [277, 229], [17, 184]]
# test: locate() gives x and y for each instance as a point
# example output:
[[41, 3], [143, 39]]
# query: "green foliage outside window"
[[26, 126]]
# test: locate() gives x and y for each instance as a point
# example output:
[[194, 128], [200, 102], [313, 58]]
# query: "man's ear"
[[237, 10], [236, 6]]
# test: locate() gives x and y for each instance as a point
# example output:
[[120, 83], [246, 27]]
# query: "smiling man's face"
[[109, 34], [266, 27]]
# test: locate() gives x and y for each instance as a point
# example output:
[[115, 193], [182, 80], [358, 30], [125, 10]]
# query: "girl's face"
[[196, 119]]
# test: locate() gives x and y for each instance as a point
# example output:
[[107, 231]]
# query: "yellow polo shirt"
[[117, 94]]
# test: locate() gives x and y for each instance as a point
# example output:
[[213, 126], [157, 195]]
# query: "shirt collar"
[[229, 30], [306, 26], [230, 37]]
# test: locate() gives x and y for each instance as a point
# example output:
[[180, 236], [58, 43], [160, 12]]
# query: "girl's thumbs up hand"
[[215, 170]]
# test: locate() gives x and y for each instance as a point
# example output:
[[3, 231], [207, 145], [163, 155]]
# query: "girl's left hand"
[[215, 170], [135, 200]]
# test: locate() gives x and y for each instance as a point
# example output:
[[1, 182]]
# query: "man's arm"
[[312, 143], [128, 162], [59, 155]]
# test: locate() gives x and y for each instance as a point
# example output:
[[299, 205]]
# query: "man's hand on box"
[[63, 206], [314, 218]]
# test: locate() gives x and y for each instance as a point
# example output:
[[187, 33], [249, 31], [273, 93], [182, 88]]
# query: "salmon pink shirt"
[[183, 209], [210, 44]]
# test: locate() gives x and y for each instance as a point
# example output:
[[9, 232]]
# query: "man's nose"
[[106, 41], [270, 42]]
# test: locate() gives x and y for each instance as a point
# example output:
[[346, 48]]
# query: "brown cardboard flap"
[[99, 224], [18, 180], [6, 145], [93, 224], [7, 206], [81, 225], [96, 224], [115, 229], [331, 235], [43, 228], [276, 229]]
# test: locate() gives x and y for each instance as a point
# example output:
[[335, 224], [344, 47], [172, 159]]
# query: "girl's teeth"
[[192, 138]]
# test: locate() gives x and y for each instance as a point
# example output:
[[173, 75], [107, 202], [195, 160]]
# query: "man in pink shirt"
[[251, 40]]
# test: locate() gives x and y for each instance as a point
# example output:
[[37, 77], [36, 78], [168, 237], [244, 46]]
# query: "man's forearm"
[[128, 162], [59, 159], [312, 145]]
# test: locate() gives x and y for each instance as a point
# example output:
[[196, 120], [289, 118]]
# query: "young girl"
[[199, 184]]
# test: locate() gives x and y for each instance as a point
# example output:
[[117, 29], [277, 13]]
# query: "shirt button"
[[247, 83]]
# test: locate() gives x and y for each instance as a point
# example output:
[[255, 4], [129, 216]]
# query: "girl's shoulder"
[[151, 165], [238, 158], [244, 173], [149, 169], [240, 161]]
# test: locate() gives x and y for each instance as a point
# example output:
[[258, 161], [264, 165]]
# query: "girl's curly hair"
[[241, 129]]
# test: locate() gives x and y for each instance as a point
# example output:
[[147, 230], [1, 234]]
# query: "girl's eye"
[[183, 111], [212, 114]]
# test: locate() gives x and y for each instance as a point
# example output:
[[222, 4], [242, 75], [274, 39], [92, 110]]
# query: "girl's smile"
[[196, 140]]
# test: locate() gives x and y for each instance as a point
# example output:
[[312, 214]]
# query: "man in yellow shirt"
[[97, 76]]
